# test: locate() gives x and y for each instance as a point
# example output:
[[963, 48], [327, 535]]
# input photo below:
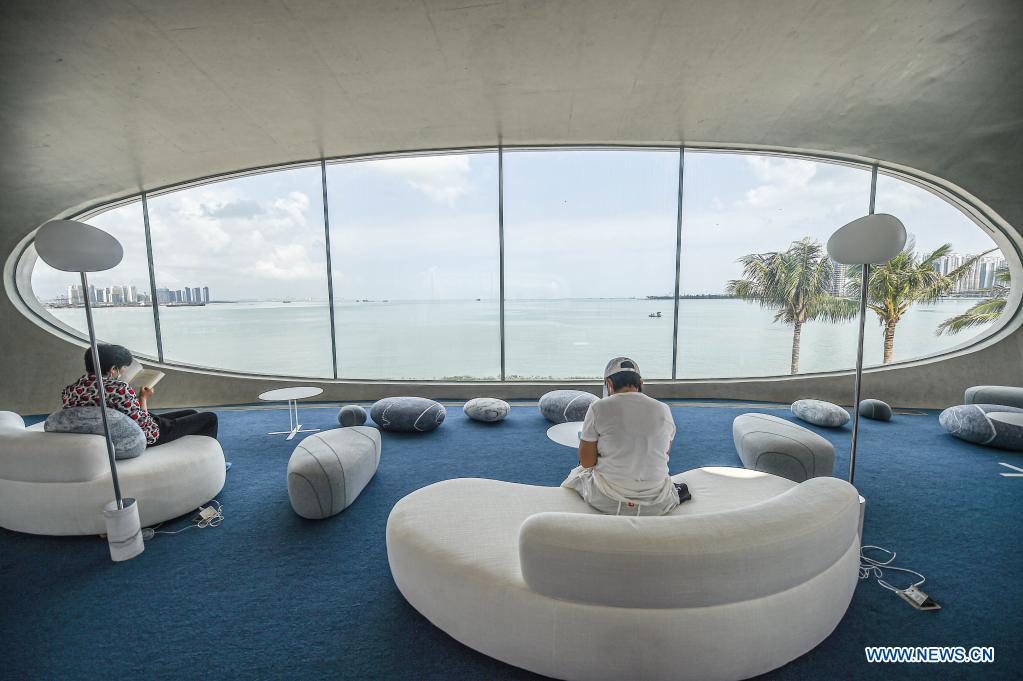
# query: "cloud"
[[443, 179], [779, 178], [246, 240], [243, 208]]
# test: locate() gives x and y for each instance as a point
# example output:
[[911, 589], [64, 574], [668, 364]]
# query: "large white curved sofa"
[[58, 483], [755, 571]]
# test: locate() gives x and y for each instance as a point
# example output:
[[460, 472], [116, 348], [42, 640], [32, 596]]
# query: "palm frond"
[[984, 312]]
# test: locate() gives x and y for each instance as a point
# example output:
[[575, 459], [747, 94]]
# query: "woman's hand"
[[145, 393]]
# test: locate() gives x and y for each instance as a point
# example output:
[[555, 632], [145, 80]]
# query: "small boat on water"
[[654, 314]]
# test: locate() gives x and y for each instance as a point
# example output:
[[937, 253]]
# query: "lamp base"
[[124, 533]]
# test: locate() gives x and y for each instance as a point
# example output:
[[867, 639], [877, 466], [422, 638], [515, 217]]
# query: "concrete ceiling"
[[103, 98]]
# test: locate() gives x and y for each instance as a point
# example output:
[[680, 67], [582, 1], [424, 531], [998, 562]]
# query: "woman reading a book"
[[158, 428]]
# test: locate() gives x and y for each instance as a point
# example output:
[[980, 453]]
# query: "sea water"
[[560, 339]]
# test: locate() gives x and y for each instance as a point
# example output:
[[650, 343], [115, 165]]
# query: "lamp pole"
[[73, 246], [874, 238], [858, 385], [102, 401]]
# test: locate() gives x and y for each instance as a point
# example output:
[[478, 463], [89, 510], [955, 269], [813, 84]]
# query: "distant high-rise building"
[[132, 294], [196, 295], [188, 294], [178, 297], [164, 296], [839, 278], [205, 294], [988, 270], [981, 274], [74, 294]]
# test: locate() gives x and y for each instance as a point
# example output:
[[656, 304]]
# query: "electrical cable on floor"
[[871, 567], [874, 567], [208, 516]]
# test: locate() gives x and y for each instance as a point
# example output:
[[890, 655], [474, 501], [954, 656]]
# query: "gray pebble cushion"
[[773, 445], [129, 440], [820, 413], [486, 409], [327, 471], [875, 409], [995, 394], [972, 422], [351, 415], [562, 406], [407, 414]]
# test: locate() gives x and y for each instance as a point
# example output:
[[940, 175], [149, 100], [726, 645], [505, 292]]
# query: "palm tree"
[[906, 279], [797, 283], [984, 312]]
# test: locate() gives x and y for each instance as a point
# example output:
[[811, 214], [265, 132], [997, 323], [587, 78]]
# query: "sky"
[[578, 223]]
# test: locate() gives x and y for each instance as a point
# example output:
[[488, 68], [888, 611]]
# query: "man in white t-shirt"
[[623, 448]]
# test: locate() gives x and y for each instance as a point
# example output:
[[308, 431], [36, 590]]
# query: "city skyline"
[[130, 295]]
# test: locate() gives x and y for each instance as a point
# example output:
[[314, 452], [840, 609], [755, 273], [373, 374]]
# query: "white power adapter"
[[918, 599], [208, 513]]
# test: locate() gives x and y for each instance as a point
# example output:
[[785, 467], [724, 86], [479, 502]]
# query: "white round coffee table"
[[566, 433], [291, 395]]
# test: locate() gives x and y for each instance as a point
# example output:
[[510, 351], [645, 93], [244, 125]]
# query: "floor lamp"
[[72, 246], [874, 238]]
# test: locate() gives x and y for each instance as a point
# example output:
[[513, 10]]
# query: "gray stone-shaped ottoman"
[[994, 425], [875, 409], [407, 414], [129, 440], [995, 394], [486, 409], [562, 406], [351, 415], [820, 413], [327, 471], [773, 445]]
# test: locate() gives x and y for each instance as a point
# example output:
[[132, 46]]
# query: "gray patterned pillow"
[[129, 440]]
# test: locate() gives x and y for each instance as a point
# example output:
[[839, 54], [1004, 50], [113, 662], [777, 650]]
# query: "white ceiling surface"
[[103, 98]]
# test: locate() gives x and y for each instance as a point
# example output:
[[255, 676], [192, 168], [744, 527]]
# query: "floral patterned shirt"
[[120, 396]]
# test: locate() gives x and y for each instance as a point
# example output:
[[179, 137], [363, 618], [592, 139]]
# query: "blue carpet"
[[270, 595]]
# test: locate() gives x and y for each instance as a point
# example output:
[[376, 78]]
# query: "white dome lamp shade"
[[867, 240], [72, 246], [874, 238]]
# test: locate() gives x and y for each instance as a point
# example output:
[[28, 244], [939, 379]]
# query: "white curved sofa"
[[58, 483], [755, 571]]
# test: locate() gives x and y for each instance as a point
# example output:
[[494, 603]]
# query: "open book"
[[139, 377]]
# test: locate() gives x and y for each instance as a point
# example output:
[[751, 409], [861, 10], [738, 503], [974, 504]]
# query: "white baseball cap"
[[617, 365]]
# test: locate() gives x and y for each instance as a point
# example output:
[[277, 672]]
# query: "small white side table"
[[566, 433], [292, 395]]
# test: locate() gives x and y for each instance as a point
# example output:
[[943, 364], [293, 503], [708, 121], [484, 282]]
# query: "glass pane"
[[590, 261], [416, 267], [120, 296], [738, 205], [976, 293], [241, 274]]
